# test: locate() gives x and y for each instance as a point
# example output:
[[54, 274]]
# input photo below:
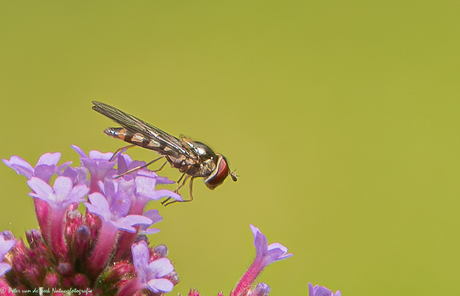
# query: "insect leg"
[[166, 201], [162, 166], [139, 167], [191, 187], [120, 150]]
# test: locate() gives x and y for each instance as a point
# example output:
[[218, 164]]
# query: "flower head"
[[75, 250]]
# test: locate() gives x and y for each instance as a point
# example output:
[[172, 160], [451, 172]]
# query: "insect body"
[[194, 159]]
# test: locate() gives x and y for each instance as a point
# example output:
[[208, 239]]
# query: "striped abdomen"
[[134, 138]]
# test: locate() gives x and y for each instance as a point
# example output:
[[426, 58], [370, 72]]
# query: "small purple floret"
[[155, 217], [5, 247], [151, 274], [267, 253], [99, 206], [61, 195], [46, 166], [321, 291]]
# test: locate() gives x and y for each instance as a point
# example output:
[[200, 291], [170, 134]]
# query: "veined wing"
[[135, 125]]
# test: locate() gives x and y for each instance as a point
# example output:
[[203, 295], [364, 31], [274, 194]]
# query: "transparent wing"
[[135, 125]]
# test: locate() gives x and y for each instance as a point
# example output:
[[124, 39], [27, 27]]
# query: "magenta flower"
[[321, 291], [80, 251]]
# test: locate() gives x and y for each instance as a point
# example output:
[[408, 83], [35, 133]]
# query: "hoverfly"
[[193, 159]]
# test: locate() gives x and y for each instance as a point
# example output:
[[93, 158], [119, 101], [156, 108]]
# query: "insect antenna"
[[233, 175]]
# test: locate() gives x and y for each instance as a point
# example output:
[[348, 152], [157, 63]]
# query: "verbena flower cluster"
[[104, 251]]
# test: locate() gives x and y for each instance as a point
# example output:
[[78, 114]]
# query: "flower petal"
[[140, 259], [260, 241], [98, 206], [49, 159], [160, 268], [78, 192], [42, 189], [5, 267], [94, 154], [21, 166], [160, 285], [62, 187], [79, 151], [282, 249]]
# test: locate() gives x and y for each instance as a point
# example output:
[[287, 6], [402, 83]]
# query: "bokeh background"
[[341, 118]]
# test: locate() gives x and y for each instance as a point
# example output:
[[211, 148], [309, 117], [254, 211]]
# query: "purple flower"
[[146, 182], [59, 198], [265, 255], [98, 165], [78, 175], [152, 274], [115, 213], [155, 217], [61, 195], [5, 247], [321, 291], [113, 218], [46, 166]]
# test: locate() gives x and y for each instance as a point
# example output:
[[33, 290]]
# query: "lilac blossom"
[[145, 181], [265, 255], [115, 213], [46, 166], [5, 247], [151, 274], [78, 175], [113, 219], [59, 198], [98, 165], [321, 291], [61, 195], [155, 217]]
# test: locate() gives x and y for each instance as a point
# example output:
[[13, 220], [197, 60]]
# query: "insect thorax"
[[192, 167]]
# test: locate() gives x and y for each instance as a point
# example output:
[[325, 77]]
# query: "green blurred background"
[[341, 118]]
